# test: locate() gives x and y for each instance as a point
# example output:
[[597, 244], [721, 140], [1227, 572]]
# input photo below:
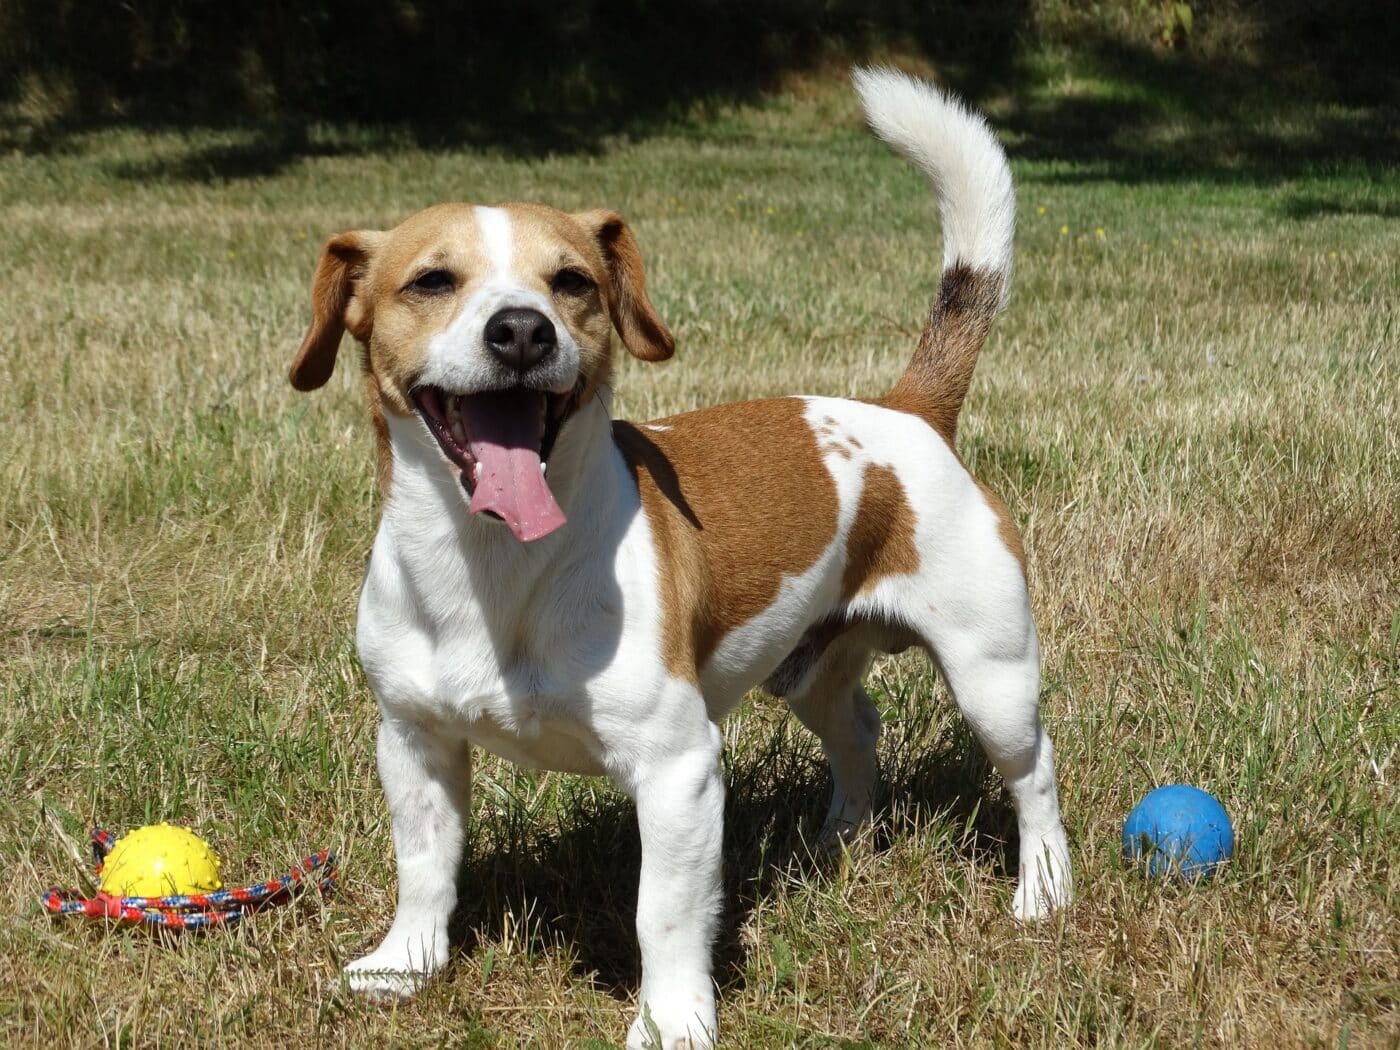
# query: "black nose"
[[520, 337]]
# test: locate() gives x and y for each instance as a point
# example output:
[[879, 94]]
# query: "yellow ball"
[[160, 860]]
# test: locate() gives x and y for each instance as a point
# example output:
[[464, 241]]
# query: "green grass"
[[1193, 415]]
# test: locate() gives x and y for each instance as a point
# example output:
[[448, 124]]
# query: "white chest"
[[536, 652]]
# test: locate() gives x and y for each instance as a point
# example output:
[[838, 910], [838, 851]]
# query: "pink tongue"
[[505, 434]]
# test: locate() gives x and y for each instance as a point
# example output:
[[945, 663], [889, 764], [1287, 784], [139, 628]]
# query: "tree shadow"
[[259, 152], [1307, 206], [1159, 115], [575, 884]]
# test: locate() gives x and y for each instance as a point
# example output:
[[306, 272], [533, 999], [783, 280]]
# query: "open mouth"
[[500, 441]]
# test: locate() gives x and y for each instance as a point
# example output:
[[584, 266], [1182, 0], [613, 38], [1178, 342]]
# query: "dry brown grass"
[[1194, 416]]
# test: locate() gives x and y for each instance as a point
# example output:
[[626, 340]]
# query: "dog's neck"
[[426, 507]]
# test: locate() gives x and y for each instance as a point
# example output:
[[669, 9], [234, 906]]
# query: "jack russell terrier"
[[602, 617]]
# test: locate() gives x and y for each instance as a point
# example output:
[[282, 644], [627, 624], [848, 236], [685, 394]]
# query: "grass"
[[1192, 407]]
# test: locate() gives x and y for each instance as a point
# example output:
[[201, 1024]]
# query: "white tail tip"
[[956, 151]]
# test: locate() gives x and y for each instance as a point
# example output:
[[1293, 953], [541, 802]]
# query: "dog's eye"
[[433, 282], [571, 282]]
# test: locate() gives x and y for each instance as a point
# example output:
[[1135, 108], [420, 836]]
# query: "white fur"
[[496, 238], [956, 151], [550, 653]]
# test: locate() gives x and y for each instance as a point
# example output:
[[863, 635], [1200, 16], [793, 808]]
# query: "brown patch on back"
[[936, 381], [738, 498], [1006, 527], [881, 540]]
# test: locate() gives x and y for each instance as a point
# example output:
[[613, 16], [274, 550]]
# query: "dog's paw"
[[677, 1023], [838, 834], [1046, 884], [383, 980]]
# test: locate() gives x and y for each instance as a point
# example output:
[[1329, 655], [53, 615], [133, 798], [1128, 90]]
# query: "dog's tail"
[[956, 151]]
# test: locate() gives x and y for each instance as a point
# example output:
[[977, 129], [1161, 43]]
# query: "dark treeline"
[[458, 68], [534, 74]]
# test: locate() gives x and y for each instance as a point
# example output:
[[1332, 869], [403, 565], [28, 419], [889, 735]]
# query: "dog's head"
[[491, 324]]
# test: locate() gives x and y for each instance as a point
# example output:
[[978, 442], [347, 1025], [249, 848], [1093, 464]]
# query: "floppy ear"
[[642, 331], [334, 306]]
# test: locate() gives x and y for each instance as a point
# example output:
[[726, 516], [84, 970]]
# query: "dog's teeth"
[[459, 432], [453, 409], [544, 467], [476, 472]]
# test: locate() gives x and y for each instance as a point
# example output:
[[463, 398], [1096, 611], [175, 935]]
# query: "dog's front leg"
[[427, 783], [680, 812]]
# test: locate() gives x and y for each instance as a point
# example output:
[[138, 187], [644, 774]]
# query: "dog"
[[584, 594]]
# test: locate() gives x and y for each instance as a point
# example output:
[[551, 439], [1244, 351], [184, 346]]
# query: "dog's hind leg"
[[984, 641], [829, 700]]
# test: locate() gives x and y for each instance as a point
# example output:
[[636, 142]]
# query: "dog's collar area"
[[500, 442]]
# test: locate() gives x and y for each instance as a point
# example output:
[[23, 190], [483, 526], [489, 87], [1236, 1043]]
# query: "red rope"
[[187, 911]]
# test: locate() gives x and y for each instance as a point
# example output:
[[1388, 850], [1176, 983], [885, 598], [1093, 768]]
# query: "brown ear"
[[643, 332], [343, 262]]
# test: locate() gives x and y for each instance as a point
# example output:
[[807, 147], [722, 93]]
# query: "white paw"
[[383, 978], [683, 1022], [1046, 883]]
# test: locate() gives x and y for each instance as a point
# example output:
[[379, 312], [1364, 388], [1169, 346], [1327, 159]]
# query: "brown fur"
[[340, 269], [936, 381], [641, 328], [1006, 527], [880, 544], [737, 497], [881, 540]]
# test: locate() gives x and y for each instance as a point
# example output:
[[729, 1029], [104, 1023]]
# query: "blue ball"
[[1178, 828]]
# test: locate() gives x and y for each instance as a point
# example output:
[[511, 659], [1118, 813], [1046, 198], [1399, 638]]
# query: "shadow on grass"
[[1152, 115], [1306, 206], [575, 883], [263, 151]]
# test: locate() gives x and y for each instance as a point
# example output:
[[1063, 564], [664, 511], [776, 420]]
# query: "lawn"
[[1192, 407]]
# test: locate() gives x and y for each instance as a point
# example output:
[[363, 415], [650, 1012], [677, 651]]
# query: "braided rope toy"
[[187, 911]]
